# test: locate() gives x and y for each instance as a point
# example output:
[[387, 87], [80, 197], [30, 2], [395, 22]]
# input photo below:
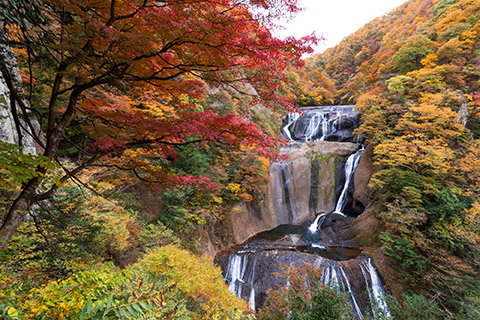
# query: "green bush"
[[305, 298], [414, 307]]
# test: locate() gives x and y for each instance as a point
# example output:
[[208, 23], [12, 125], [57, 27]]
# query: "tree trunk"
[[19, 209]]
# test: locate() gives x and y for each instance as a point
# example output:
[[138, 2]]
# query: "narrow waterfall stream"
[[350, 166], [310, 193]]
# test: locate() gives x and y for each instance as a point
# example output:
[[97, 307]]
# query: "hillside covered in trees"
[[414, 74]]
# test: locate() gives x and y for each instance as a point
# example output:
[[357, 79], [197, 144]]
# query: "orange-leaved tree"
[[82, 58]]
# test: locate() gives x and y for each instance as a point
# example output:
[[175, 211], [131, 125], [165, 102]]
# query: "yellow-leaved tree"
[[167, 283]]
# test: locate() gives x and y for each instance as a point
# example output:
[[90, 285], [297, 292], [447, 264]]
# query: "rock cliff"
[[307, 183]]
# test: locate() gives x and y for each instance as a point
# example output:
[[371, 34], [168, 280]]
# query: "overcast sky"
[[336, 19]]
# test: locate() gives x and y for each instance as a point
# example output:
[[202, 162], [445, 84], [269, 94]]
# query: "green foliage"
[[157, 235], [58, 235], [454, 31], [402, 253], [17, 167], [470, 308], [397, 84], [414, 307], [404, 216], [305, 298], [409, 56], [193, 160], [177, 213], [397, 181], [441, 7], [444, 210], [33, 7]]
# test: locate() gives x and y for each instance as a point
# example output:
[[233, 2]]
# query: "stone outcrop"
[[9, 130], [362, 177]]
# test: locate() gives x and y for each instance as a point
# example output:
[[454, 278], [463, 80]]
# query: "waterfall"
[[291, 118], [336, 277], [250, 281], [318, 123], [237, 277], [236, 271], [315, 123], [376, 292], [317, 223], [350, 166], [253, 268]]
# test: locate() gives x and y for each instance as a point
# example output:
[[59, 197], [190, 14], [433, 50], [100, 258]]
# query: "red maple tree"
[[88, 54]]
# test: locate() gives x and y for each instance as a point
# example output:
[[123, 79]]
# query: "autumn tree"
[[122, 72]]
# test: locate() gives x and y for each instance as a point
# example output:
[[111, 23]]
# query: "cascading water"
[[250, 269], [235, 274], [317, 222], [376, 292], [350, 166], [291, 117], [239, 280], [332, 123], [335, 276]]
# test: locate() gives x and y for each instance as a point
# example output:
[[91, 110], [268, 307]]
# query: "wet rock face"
[[362, 177], [307, 183]]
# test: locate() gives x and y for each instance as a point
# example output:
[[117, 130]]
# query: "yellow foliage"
[[423, 146], [430, 98], [470, 163], [115, 221], [154, 105], [374, 116], [417, 154], [468, 230], [431, 121], [235, 188], [197, 278], [430, 60]]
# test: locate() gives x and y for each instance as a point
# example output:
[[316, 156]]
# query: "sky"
[[336, 19]]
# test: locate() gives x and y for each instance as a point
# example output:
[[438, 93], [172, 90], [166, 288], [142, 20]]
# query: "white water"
[[352, 296], [235, 273], [376, 292], [291, 117], [317, 223], [336, 277], [325, 119], [236, 276], [251, 280], [251, 299], [329, 277], [350, 166], [315, 122]]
